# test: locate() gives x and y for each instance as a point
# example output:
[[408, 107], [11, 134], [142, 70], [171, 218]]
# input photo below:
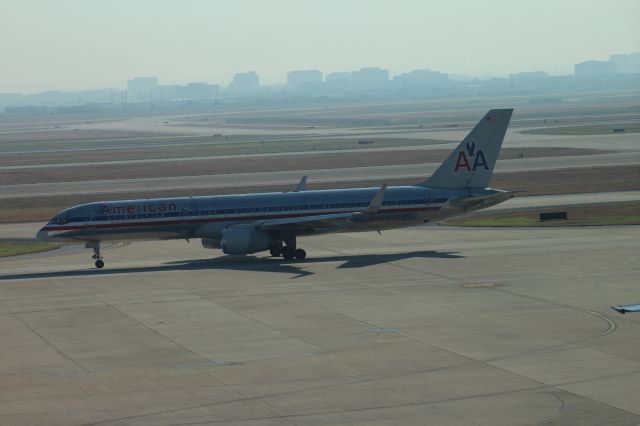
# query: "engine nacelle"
[[210, 243], [238, 240]]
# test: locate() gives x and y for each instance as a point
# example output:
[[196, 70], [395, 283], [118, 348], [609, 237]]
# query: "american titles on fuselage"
[[138, 208]]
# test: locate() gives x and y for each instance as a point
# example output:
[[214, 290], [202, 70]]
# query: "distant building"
[[142, 84], [245, 82], [338, 76], [529, 76], [626, 64], [11, 99], [337, 82], [142, 89], [370, 77], [197, 91], [304, 79], [421, 79], [168, 93], [591, 68]]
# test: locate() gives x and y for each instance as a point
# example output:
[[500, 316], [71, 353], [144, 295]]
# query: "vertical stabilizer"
[[471, 164]]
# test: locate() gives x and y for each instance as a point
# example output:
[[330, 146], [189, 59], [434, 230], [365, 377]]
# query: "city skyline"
[[77, 45], [325, 77]]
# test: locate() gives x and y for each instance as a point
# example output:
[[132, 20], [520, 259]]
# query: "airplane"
[[623, 309], [251, 223]]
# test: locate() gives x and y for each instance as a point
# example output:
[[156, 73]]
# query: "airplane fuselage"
[[206, 216]]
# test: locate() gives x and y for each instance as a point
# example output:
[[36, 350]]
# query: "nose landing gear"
[[96, 254]]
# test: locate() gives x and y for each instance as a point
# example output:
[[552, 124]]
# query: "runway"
[[354, 174], [428, 325]]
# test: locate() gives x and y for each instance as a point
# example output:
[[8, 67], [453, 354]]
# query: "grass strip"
[[18, 248]]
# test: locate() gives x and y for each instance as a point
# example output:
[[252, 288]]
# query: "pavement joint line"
[[400, 333], [597, 379], [542, 386], [51, 345], [553, 348], [90, 396], [269, 326], [159, 334]]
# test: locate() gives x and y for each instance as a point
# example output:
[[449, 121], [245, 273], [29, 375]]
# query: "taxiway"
[[429, 325]]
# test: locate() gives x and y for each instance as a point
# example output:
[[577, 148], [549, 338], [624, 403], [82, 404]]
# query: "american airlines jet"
[[251, 223]]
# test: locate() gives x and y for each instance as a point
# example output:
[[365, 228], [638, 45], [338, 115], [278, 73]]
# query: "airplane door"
[[183, 216], [185, 211], [91, 220]]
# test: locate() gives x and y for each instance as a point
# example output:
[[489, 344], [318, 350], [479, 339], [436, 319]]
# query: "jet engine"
[[237, 240], [210, 243]]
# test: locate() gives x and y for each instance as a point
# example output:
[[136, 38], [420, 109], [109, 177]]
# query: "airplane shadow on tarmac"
[[245, 263]]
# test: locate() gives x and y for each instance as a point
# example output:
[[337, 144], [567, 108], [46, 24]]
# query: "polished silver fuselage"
[[206, 216]]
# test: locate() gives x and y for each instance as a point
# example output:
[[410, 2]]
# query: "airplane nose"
[[42, 235]]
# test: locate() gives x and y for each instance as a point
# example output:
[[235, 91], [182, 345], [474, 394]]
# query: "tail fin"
[[471, 164]]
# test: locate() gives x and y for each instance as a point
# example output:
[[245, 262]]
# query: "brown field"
[[576, 180], [198, 146], [259, 164], [587, 179], [64, 135]]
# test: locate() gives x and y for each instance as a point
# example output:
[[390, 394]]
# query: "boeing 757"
[[251, 223]]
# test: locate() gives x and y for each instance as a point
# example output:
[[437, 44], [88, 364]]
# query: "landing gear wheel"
[[95, 245], [288, 253], [275, 251], [300, 254]]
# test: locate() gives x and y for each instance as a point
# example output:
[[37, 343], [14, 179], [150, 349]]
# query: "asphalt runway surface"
[[427, 325]]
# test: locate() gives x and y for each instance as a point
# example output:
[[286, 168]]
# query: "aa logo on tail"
[[464, 158]]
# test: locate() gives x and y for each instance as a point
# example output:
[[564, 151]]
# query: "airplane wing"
[[317, 224], [325, 223]]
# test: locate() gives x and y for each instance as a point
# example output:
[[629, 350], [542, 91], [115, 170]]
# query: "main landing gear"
[[96, 254], [288, 251]]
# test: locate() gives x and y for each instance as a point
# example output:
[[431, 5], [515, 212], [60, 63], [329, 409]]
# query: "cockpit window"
[[58, 220]]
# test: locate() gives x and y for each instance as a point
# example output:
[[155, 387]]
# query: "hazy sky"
[[81, 44]]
